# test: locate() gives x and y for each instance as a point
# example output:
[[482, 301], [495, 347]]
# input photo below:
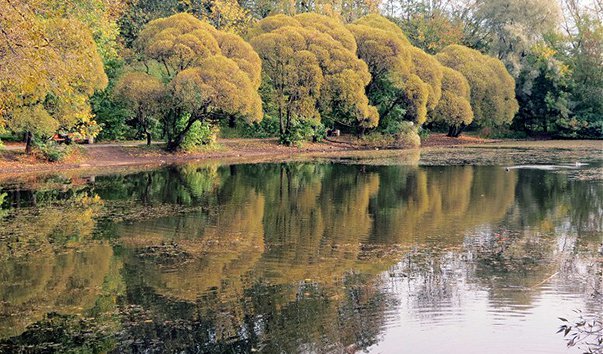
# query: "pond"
[[329, 256]]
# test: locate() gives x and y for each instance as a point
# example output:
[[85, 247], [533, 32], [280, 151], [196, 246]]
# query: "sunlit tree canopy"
[[143, 94], [454, 108], [492, 87], [310, 65], [210, 74], [406, 81], [49, 68]]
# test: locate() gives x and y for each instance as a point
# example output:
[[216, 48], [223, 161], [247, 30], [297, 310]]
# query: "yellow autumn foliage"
[[492, 87], [210, 74], [454, 108], [139, 89], [217, 85], [403, 76], [327, 80], [33, 118], [379, 22], [380, 50], [241, 52], [429, 70], [46, 64], [416, 98], [330, 26], [178, 42]]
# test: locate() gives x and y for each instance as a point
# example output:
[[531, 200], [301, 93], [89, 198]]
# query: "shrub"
[[7, 135], [405, 133], [408, 135], [200, 134], [53, 152], [377, 139], [303, 130], [423, 133], [501, 133], [267, 128]]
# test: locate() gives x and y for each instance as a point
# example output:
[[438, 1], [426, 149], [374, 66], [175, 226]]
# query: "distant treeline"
[[182, 70]]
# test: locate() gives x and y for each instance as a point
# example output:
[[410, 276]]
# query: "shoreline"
[[132, 155], [115, 155]]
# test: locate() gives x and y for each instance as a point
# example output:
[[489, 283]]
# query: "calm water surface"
[[299, 257]]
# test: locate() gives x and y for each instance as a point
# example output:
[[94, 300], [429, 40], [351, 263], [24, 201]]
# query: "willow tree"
[[209, 74], [143, 95], [311, 71], [492, 87], [48, 70], [382, 23], [406, 81], [454, 108], [508, 29], [430, 71]]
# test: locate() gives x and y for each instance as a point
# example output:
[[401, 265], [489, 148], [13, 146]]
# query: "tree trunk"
[[280, 120], [232, 122], [288, 125], [174, 144], [461, 129], [451, 130], [361, 132], [454, 131], [28, 142]]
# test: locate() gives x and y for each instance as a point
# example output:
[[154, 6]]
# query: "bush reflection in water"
[[279, 257]]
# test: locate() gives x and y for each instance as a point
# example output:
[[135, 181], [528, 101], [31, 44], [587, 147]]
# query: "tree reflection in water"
[[283, 257]]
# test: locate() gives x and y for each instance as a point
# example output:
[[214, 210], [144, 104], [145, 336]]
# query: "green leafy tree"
[[209, 74], [112, 115], [542, 92], [583, 56], [492, 87]]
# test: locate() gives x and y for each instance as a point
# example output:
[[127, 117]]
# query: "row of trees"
[[312, 70], [175, 69], [553, 50]]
